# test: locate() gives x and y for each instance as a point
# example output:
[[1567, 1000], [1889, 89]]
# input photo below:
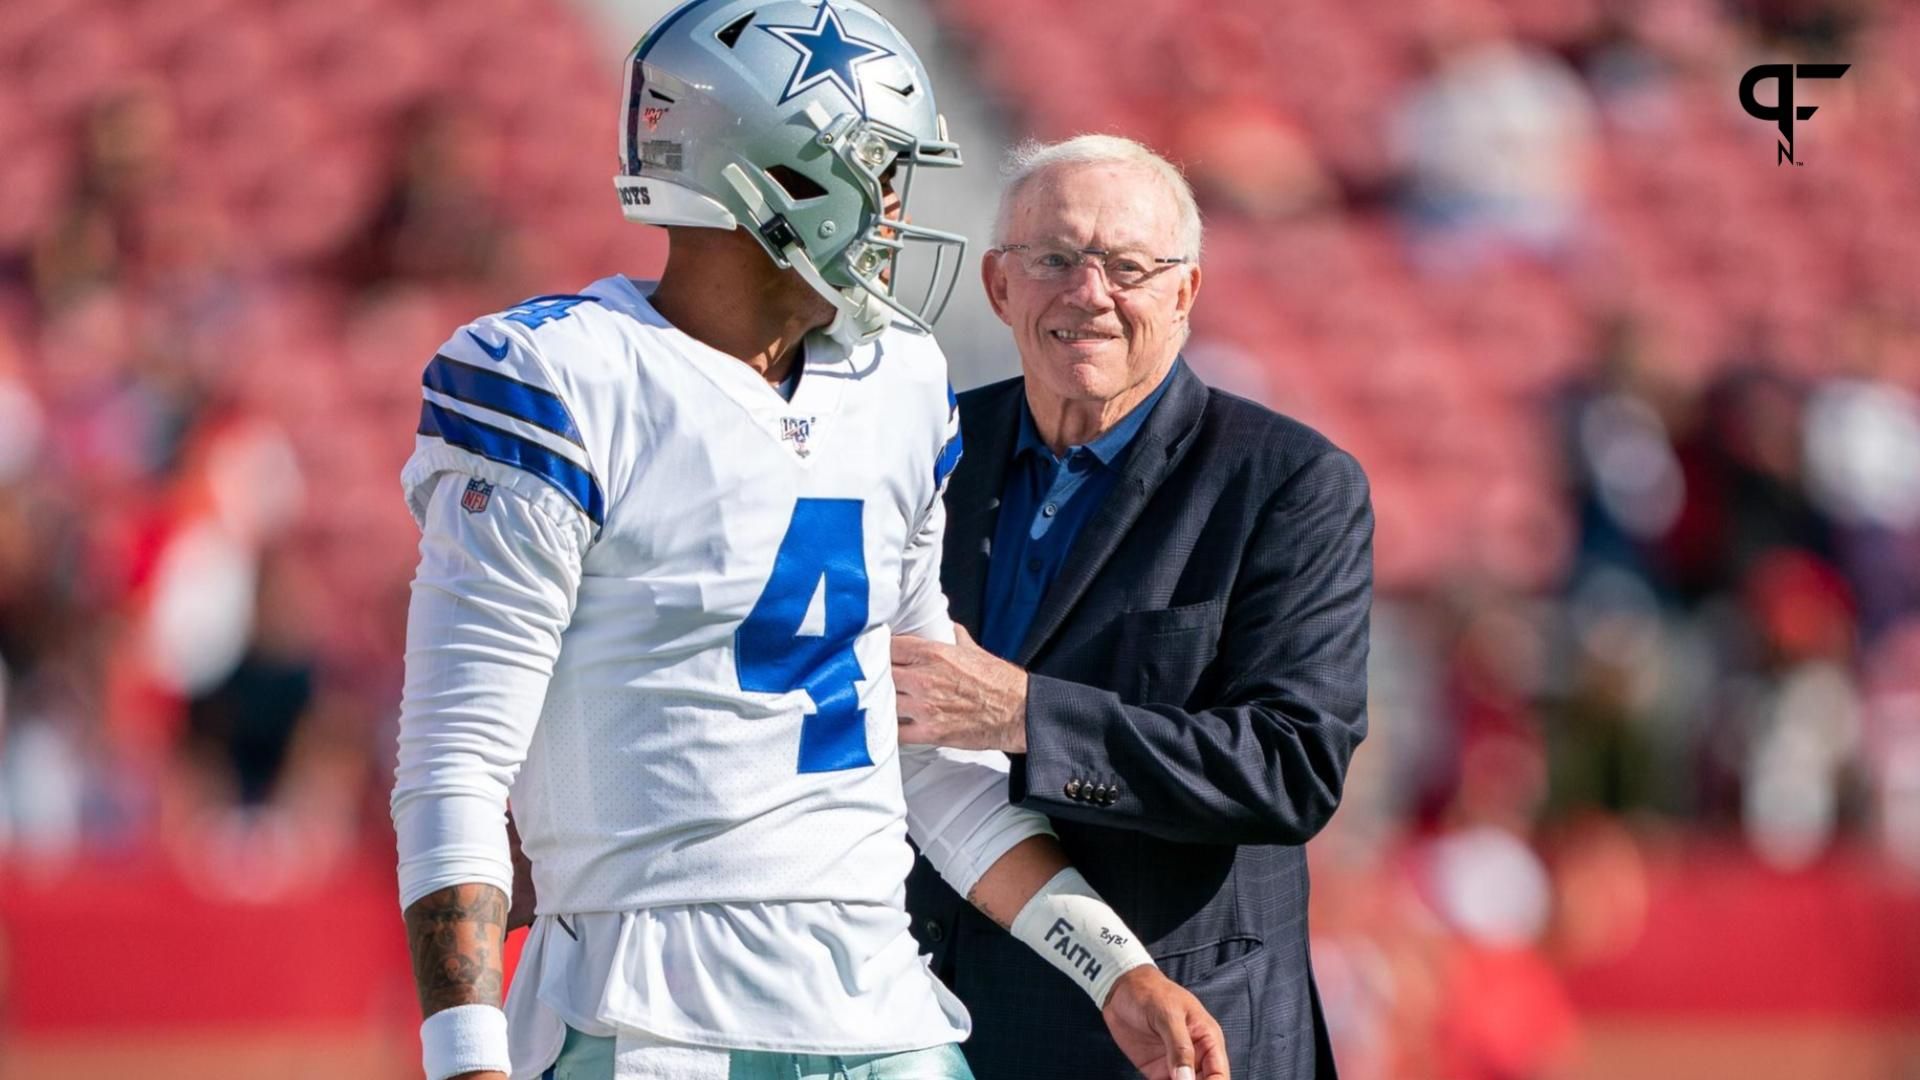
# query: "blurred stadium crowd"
[[1641, 408], [232, 234]]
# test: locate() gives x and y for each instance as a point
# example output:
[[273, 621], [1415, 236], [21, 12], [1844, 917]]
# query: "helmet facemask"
[[860, 274]]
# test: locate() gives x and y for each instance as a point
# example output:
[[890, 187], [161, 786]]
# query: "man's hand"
[[520, 908], [959, 695], [1163, 1029]]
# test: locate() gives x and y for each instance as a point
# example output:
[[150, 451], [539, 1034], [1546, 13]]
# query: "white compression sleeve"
[[493, 592], [957, 811]]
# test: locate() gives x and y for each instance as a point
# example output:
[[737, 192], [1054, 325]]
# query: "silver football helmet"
[[792, 119]]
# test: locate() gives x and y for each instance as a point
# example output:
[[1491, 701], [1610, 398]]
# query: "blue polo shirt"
[[1046, 502]]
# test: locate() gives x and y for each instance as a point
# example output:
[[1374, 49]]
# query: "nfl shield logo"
[[475, 499], [797, 430]]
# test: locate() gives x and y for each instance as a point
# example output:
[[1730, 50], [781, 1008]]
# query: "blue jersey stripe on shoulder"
[[949, 457], [521, 453], [492, 390]]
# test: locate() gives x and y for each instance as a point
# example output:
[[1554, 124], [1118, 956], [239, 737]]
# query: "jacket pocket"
[[1226, 976], [1205, 614], [1161, 652]]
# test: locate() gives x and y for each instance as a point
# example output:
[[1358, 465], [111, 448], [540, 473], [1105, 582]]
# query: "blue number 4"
[[821, 553], [541, 310]]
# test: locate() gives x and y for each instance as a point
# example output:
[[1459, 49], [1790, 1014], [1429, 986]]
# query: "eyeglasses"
[[1122, 269]]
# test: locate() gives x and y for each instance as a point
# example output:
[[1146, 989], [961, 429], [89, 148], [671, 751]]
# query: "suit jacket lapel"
[[1155, 450], [987, 430]]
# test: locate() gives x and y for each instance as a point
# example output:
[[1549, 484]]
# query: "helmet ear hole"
[[798, 186], [729, 35]]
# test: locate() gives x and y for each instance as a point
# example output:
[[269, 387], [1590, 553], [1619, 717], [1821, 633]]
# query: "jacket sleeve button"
[[1073, 788]]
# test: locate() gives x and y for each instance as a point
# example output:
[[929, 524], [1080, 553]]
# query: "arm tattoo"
[[455, 935], [997, 911]]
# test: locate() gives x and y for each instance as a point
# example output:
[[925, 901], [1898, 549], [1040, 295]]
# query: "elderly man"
[[1170, 589]]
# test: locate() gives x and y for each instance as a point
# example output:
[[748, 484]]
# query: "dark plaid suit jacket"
[[1197, 687]]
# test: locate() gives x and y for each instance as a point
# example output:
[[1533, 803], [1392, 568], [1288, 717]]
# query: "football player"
[[667, 531]]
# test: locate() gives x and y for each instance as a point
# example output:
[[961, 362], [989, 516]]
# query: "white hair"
[[1033, 157]]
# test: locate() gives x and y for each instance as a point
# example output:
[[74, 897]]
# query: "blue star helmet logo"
[[827, 54]]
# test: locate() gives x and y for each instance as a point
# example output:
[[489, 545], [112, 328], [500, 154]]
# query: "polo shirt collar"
[[1108, 447]]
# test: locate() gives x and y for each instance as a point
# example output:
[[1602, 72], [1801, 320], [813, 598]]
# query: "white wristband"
[[1067, 923], [465, 1038]]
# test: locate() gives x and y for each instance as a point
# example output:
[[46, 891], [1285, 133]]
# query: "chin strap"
[[857, 321]]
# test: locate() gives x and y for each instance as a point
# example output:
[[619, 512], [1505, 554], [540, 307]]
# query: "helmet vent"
[[798, 186], [729, 35]]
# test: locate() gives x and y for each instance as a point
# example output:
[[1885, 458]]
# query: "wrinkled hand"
[[1163, 1029], [959, 695]]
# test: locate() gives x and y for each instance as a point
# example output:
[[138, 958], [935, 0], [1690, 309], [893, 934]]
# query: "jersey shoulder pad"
[[525, 389], [913, 351], [916, 369]]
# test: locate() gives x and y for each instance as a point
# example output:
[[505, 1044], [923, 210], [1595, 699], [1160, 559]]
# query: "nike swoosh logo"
[[498, 352]]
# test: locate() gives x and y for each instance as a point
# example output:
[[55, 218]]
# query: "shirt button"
[[1049, 510], [934, 931]]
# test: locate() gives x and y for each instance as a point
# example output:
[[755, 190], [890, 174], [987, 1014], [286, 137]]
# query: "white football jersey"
[[655, 599]]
